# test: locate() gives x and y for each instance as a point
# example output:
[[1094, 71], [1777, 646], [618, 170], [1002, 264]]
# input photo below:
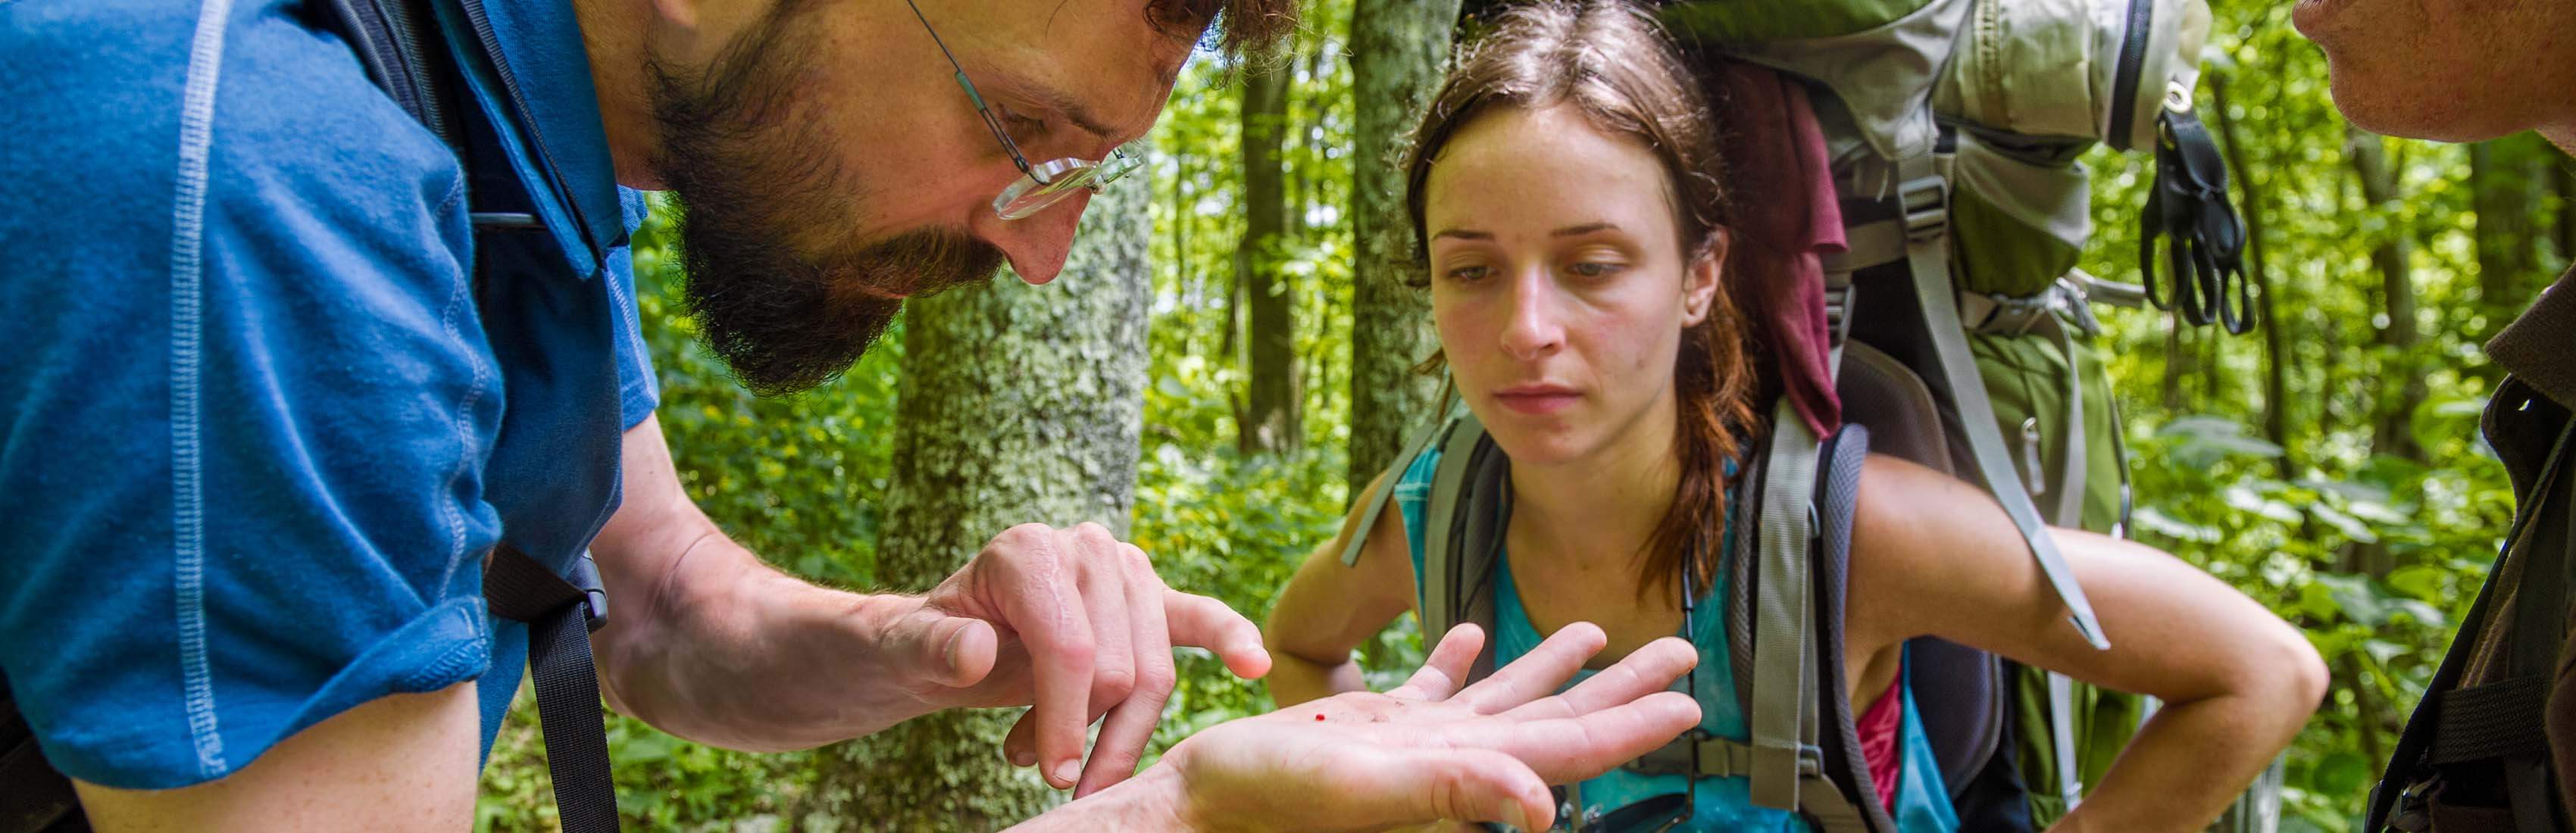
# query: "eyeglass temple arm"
[[992, 122], [1017, 158]]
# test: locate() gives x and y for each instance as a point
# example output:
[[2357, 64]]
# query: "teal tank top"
[[1922, 801]]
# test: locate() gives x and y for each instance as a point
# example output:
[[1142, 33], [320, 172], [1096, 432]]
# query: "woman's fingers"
[[1568, 749], [1448, 666], [1537, 674], [1644, 671]]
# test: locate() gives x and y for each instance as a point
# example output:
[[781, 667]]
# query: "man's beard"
[[755, 175]]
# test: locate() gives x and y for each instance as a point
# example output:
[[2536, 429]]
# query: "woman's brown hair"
[[1611, 61]]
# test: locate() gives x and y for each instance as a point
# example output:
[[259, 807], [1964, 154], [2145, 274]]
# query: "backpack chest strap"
[[1710, 756]]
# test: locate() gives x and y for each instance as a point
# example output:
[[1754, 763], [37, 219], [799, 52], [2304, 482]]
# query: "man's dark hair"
[[1239, 28]]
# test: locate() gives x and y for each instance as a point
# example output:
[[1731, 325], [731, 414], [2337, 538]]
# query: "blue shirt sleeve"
[[638, 391], [247, 399]]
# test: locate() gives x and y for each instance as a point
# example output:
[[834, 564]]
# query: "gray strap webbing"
[[1832, 812], [2069, 513], [2061, 730], [1713, 757], [1782, 688], [1440, 604], [1476, 542], [1386, 489], [1928, 259], [1869, 244], [2070, 468]]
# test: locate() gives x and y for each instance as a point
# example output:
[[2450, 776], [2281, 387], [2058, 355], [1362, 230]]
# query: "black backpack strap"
[[560, 614], [397, 43], [33, 796]]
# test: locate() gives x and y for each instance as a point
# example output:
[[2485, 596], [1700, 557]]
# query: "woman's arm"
[[1932, 555], [1328, 608]]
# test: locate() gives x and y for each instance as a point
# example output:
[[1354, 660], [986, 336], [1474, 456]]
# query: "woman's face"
[[1558, 282]]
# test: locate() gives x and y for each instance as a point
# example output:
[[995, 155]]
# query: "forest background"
[[1229, 351]]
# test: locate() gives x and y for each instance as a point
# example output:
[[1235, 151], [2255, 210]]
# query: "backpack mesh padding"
[[1838, 488]]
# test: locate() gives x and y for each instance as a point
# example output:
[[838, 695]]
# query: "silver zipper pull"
[[2030, 457]]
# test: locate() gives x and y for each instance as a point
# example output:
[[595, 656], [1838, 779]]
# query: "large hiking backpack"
[[1953, 129], [1952, 316], [399, 44]]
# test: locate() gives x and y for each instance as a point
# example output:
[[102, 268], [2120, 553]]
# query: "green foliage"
[[2209, 494], [2375, 555]]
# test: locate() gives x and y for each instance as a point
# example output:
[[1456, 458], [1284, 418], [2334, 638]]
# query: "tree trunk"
[[1397, 48], [1303, 191], [2562, 172], [1019, 404], [2276, 397], [1269, 419], [2505, 180], [2392, 433], [2177, 360], [1192, 290], [2392, 430]]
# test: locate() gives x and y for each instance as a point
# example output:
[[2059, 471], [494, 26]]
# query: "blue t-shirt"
[[257, 431], [1922, 803]]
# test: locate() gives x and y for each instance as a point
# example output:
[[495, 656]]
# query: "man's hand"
[[712, 645], [1430, 750], [1076, 622]]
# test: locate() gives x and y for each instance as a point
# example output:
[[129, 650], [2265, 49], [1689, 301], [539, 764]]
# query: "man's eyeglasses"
[[1045, 183]]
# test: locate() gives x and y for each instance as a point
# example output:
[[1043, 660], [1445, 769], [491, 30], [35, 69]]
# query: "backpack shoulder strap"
[[1838, 794], [561, 612], [1376, 505], [1781, 716], [1462, 535], [1807, 491], [1924, 197], [399, 44]]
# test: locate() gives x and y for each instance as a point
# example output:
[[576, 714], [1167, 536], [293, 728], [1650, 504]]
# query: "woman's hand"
[[1431, 750]]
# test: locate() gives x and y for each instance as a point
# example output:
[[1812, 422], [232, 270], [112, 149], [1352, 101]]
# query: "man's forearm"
[[723, 649], [706, 642]]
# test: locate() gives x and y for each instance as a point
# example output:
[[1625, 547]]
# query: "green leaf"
[[2350, 526], [2154, 519], [2341, 772], [2355, 597]]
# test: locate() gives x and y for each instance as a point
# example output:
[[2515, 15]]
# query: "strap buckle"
[[1926, 204], [594, 592]]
